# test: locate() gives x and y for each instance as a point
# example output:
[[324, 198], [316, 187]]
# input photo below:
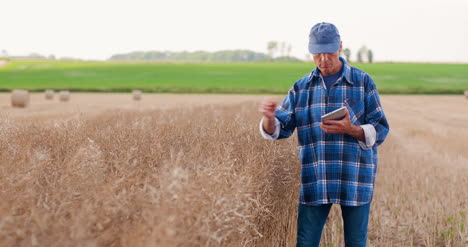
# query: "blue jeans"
[[311, 220]]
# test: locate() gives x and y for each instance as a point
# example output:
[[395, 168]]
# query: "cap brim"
[[324, 48]]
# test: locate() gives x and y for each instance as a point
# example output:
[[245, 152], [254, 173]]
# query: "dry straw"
[[20, 98], [136, 94], [64, 96], [204, 177], [49, 94]]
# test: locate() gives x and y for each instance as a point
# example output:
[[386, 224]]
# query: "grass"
[[245, 78]]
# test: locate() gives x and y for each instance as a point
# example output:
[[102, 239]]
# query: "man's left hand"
[[343, 126]]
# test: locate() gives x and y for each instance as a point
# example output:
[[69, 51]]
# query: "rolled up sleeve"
[[370, 135], [273, 136]]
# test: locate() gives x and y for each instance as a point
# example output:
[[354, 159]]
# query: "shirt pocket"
[[356, 110]]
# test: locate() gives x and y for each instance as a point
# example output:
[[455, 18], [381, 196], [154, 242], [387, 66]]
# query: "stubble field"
[[192, 170]]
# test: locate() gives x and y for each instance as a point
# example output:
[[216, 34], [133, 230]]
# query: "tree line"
[[277, 52], [200, 56]]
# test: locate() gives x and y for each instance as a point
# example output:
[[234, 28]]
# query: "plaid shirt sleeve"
[[374, 113], [285, 113]]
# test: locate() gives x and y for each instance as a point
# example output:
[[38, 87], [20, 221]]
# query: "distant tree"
[[51, 57], [361, 52], [4, 54], [272, 46], [347, 54], [282, 48], [370, 56], [289, 50]]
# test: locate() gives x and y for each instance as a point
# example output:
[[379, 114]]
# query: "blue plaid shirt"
[[335, 168]]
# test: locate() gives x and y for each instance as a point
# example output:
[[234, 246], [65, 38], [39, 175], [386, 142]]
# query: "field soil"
[[192, 170], [97, 103]]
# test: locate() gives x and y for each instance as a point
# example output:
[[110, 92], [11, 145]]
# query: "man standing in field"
[[338, 157]]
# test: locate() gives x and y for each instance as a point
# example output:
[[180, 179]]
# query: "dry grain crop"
[[49, 94], [19, 98], [202, 176], [143, 178], [136, 94], [64, 96]]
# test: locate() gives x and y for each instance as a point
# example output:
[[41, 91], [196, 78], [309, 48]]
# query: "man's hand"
[[267, 108], [343, 126]]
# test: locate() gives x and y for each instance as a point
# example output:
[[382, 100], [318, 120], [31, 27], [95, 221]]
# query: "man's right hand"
[[267, 108]]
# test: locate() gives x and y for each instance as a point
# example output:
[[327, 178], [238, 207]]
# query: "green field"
[[254, 78]]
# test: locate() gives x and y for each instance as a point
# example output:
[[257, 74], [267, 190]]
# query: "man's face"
[[328, 63]]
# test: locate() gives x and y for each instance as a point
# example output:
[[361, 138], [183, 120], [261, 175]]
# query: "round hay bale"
[[19, 98], [49, 94], [137, 94], [64, 95], [466, 94]]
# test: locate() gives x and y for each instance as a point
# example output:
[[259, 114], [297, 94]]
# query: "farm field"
[[192, 170], [250, 78]]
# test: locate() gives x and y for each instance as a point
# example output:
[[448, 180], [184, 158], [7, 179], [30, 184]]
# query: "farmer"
[[338, 157]]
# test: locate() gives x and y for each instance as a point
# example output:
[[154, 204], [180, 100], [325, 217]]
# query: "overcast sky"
[[398, 30]]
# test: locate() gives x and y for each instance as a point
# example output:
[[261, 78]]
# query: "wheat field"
[[192, 170]]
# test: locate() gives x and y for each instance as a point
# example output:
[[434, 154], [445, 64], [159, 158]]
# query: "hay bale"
[[64, 95], [466, 94], [137, 94], [49, 94], [19, 98]]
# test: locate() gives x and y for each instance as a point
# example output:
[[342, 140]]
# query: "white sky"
[[398, 30]]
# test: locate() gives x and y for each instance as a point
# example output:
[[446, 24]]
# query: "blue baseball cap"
[[324, 38]]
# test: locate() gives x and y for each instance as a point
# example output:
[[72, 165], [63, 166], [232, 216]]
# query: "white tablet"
[[335, 115]]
